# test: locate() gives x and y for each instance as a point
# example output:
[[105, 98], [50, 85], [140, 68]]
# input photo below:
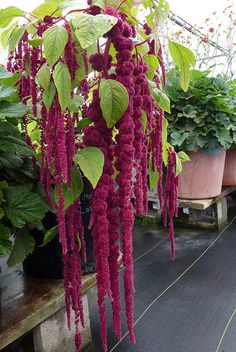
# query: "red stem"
[[106, 52], [119, 6], [143, 42]]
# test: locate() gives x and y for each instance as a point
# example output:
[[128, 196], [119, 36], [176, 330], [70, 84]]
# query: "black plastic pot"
[[46, 262]]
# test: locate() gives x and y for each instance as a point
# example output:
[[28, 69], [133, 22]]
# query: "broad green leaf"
[[75, 103], [23, 206], [62, 80], [162, 12], [9, 109], [8, 14], [15, 37], [8, 160], [43, 77], [89, 28], [178, 168], [153, 63], [114, 101], [24, 244], [35, 42], [47, 9], [91, 162], [165, 149], [54, 41], [70, 195], [5, 242], [5, 35], [183, 156], [11, 80], [185, 60], [147, 4], [86, 121], [99, 3], [153, 176], [161, 99], [1, 213], [6, 93], [144, 120], [4, 73], [164, 130], [33, 131], [64, 5], [48, 96], [3, 185], [49, 235]]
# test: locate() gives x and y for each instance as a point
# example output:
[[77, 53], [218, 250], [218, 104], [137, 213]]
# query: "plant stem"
[[119, 6], [143, 42], [106, 53]]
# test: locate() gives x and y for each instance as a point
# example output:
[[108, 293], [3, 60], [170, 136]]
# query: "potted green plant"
[[200, 123], [229, 178]]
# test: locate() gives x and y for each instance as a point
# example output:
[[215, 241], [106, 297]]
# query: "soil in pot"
[[202, 177]]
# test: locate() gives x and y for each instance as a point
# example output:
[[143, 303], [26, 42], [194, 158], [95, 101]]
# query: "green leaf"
[[99, 3], [35, 42], [153, 63], [75, 103], [179, 167], [183, 156], [15, 37], [49, 235], [6, 93], [185, 60], [7, 15], [62, 80], [23, 206], [86, 121], [48, 96], [114, 101], [3, 185], [24, 244], [153, 176], [162, 12], [5, 242], [6, 34], [147, 4], [70, 195], [91, 162], [4, 73], [47, 9], [144, 120], [11, 80], [54, 41], [161, 99], [89, 28], [43, 77], [10, 161], [9, 109]]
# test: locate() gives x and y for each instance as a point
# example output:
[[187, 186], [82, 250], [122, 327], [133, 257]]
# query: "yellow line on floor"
[[175, 281], [225, 330]]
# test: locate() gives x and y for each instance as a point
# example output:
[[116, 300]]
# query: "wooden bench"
[[38, 305], [194, 208], [193, 212]]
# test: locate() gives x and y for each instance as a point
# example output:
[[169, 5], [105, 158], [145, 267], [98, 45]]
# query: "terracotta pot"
[[202, 177], [229, 178]]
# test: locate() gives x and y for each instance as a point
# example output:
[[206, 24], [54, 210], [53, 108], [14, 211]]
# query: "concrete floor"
[[186, 305]]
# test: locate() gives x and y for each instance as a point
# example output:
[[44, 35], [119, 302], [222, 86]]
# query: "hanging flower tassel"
[[170, 207], [119, 36]]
